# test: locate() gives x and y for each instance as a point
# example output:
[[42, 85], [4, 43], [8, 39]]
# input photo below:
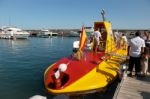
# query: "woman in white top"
[[125, 41], [146, 57], [145, 36], [117, 38]]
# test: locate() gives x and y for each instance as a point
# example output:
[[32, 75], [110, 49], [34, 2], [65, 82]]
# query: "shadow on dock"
[[134, 88]]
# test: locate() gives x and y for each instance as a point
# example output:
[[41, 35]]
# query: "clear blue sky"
[[36, 14]]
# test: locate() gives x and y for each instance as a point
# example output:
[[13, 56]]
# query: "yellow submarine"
[[93, 71]]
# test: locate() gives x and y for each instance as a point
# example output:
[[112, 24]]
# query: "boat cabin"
[[107, 42]]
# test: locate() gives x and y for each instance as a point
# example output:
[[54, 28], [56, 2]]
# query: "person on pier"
[[145, 58], [135, 49]]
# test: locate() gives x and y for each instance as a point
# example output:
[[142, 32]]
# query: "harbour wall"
[[65, 32]]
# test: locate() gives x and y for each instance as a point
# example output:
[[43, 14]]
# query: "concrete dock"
[[133, 88]]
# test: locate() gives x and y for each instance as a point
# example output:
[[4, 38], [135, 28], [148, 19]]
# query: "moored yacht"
[[89, 30], [46, 33], [14, 33], [74, 34]]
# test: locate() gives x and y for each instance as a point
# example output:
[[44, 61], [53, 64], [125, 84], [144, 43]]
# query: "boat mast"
[[103, 15]]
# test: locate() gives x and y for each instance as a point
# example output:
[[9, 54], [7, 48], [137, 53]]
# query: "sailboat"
[[91, 71]]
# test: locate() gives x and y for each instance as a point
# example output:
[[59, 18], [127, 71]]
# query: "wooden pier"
[[133, 88]]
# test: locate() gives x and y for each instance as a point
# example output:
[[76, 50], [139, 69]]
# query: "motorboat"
[[74, 34], [46, 33], [89, 30], [89, 72], [14, 33]]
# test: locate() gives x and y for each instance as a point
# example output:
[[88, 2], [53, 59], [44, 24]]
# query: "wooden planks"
[[133, 88]]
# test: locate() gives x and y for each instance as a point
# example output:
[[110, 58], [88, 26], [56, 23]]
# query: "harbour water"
[[23, 62]]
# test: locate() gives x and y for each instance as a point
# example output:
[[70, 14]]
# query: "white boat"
[[46, 33], [74, 34], [89, 30], [14, 33]]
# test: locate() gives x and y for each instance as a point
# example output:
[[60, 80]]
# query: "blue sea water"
[[23, 62]]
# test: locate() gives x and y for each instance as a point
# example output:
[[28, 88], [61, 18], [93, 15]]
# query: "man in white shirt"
[[135, 49], [97, 38]]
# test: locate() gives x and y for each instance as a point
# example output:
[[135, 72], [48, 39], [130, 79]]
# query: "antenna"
[[103, 15]]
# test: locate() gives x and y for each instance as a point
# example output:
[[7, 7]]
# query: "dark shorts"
[[147, 45], [134, 61], [147, 51]]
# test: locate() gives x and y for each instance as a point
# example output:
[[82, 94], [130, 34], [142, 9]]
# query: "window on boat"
[[9, 30]]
